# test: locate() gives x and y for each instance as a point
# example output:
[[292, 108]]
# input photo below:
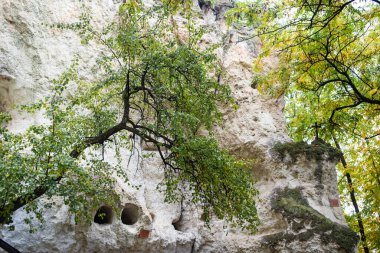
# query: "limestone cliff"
[[298, 199]]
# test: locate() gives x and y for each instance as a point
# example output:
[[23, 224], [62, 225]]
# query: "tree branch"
[[342, 108]]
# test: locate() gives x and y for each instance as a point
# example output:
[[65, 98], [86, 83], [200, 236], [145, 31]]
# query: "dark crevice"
[[104, 215], [177, 224]]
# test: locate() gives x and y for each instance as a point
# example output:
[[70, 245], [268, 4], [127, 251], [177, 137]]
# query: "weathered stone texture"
[[32, 53]]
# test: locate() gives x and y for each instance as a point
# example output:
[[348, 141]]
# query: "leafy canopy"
[[325, 58], [145, 83]]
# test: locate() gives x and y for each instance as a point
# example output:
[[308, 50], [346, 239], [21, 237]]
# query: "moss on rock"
[[316, 150], [293, 205]]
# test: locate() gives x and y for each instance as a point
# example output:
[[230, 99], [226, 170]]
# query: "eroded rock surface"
[[33, 53]]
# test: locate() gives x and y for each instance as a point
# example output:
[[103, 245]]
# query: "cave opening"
[[130, 214], [103, 215]]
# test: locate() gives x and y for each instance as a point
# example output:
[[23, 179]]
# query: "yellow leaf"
[[258, 65], [373, 91]]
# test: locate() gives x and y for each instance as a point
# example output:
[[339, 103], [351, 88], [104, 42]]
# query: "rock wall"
[[298, 201]]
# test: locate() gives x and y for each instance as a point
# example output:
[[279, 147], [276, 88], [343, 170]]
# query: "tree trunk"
[[353, 198]]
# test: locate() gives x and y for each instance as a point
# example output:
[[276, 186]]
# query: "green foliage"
[[39, 161], [208, 170], [318, 150], [327, 66], [294, 206], [145, 83]]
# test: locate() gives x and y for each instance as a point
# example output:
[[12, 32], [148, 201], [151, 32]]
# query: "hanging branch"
[[352, 195]]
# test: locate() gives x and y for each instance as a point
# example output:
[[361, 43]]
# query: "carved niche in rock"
[[130, 214], [104, 215]]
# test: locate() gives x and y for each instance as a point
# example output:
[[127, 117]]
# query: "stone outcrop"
[[298, 202]]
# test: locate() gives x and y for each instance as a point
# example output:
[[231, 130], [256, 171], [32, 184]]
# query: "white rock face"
[[33, 53]]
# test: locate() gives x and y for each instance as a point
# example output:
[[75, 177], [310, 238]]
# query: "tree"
[[146, 83], [328, 65]]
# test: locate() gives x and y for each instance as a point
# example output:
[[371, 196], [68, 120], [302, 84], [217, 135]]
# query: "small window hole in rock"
[[130, 214], [104, 215]]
